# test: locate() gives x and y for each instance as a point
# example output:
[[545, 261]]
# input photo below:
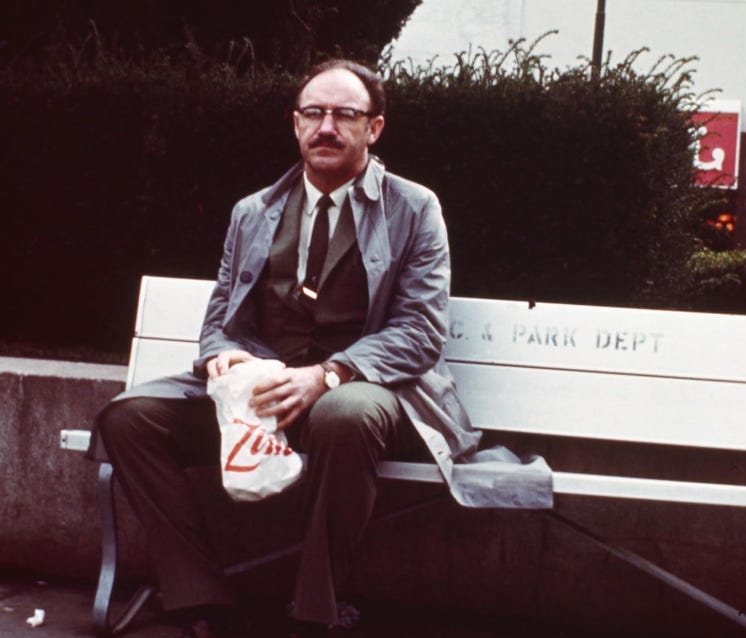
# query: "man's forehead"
[[335, 84]]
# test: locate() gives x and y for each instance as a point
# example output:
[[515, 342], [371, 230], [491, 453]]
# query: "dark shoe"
[[348, 617]]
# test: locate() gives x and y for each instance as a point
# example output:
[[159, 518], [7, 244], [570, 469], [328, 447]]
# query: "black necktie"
[[317, 248]]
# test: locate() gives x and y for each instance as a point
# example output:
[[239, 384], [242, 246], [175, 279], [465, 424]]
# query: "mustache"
[[326, 140]]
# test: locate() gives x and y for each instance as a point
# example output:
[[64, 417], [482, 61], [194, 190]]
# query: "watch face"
[[331, 379]]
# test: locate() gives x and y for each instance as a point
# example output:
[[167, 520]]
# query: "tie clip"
[[309, 293]]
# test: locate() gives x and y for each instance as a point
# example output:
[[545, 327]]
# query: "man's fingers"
[[275, 400], [288, 395], [271, 388], [224, 362], [220, 364], [212, 368], [282, 403]]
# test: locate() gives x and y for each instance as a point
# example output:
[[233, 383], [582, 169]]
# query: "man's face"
[[335, 150]]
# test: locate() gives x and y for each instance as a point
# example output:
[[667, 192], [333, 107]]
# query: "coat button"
[[246, 277]]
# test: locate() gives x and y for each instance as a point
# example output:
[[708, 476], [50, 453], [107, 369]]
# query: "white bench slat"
[[599, 485], [419, 472], [649, 489], [172, 308], [564, 482], [603, 406], [578, 404], [595, 338], [154, 358], [592, 338]]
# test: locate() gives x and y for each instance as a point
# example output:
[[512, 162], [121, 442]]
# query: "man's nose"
[[328, 123]]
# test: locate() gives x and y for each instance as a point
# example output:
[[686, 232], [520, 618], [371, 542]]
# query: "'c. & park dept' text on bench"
[[567, 337]]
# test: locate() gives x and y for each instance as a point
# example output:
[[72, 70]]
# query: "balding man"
[[341, 270]]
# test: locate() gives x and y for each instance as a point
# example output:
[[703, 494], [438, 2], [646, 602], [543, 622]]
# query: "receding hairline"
[[372, 83]]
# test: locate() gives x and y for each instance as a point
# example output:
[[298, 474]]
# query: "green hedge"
[[718, 281], [284, 34], [554, 187]]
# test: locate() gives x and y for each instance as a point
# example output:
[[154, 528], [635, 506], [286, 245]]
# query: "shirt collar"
[[313, 194]]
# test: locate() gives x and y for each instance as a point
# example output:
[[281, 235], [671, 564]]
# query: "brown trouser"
[[151, 442]]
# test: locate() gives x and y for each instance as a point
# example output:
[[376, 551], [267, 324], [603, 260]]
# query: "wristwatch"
[[331, 378]]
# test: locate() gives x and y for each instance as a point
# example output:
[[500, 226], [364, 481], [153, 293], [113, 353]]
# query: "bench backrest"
[[583, 371]]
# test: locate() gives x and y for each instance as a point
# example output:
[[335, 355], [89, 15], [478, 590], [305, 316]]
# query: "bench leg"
[[696, 594], [107, 574]]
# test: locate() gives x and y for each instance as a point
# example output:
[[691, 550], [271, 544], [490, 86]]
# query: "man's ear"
[[296, 124], [376, 128]]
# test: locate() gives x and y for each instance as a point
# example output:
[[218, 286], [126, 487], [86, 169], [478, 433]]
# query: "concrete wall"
[[509, 563], [48, 511]]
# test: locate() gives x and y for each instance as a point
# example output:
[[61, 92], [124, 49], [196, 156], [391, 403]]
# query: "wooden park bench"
[[657, 378]]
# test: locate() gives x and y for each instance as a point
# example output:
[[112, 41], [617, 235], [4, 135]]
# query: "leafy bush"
[[284, 35], [117, 165], [555, 187], [718, 281]]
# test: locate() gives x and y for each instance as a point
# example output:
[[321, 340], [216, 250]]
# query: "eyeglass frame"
[[335, 113]]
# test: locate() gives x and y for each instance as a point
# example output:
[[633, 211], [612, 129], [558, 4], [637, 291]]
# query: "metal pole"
[[598, 39]]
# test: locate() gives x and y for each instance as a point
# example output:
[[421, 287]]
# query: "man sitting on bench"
[[341, 270]]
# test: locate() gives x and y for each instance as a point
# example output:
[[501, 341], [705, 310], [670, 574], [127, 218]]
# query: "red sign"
[[716, 159]]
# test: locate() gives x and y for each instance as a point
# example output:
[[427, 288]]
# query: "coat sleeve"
[[412, 336]]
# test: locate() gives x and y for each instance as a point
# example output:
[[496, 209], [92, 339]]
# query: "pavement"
[[67, 614]]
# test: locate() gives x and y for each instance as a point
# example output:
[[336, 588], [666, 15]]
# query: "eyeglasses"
[[340, 114]]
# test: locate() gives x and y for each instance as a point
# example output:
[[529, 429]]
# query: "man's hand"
[[219, 365], [288, 394]]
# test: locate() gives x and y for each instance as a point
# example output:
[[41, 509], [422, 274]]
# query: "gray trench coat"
[[404, 246]]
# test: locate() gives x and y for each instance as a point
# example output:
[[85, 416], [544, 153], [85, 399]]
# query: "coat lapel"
[[253, 244], [285, 246]]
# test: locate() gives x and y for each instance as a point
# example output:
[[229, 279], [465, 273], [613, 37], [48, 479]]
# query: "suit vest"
[[300, 331]]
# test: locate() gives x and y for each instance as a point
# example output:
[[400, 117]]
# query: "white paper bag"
[[255, 460]]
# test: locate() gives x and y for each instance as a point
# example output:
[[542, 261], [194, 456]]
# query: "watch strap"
[[342, 371]]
